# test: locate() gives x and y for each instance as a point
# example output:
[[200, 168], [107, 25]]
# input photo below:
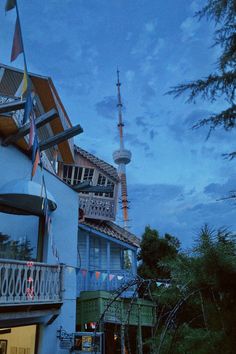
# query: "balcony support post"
[[134, 262], [108, 263], [87, 260]]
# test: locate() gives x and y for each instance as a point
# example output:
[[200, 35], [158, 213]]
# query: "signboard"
[[87, 343], [65, 343]]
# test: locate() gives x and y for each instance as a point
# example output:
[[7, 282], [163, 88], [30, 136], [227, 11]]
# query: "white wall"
[[14, 165]]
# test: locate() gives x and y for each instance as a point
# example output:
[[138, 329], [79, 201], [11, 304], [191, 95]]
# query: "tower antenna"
[[122, 156]]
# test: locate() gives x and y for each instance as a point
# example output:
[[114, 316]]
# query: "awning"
[[24, 197]]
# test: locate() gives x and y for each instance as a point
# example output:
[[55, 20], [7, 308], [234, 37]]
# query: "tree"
[[195, 313], [153, 250], [222, 83]]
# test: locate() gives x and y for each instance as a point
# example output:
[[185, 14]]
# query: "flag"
[[97, 274], [17, 46], [103, 276], [10, 4], [35, 150], [25, 82], [84, 272], [111, 276], [28, 107], [120, 277], [32, 132], [46, 211]]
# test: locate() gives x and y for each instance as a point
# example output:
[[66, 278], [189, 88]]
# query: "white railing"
[[24, 282], [97, 207]]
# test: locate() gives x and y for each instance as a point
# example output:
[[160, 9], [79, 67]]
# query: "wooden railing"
[[97, 207], [103, 280], [24, 282]]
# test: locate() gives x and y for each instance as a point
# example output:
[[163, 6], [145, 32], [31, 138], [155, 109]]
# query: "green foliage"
[[153, 250], [196, 313], [222, 83]]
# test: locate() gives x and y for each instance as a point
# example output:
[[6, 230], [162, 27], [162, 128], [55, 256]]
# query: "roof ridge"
[[103, 165]]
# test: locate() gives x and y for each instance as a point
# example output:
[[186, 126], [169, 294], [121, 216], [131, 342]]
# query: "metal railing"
[[24, 282], [97, 207]]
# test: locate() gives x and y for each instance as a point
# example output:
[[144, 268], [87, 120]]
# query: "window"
[[94, 256], [111, 194], [88, 174], [78, 174], [67, 174], [74, 174], [19, 236]]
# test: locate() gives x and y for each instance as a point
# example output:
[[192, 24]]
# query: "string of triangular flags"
[[103, 275], [29, 115]]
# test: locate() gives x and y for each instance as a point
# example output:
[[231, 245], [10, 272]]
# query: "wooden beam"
[[93, 189], [59, 138], [12, 106], [39, 122]]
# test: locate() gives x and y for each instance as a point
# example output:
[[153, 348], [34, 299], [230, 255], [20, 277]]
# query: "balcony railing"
[[102, 280], [91, 306], [24, 282], [97, 207]]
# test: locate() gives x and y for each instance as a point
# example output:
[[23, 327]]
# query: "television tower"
[[122, 157]]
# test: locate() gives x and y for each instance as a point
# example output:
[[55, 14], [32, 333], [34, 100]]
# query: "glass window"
[[18, 236], [127, 259], [88, 174], [78, 174], [95, 251], [67, 174]]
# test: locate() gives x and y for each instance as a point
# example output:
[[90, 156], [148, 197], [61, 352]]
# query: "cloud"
[[107, 108], [175, 209], [130, 75], [189, 28], [147, 127], [217, 190], [151, 26], [134, 140]]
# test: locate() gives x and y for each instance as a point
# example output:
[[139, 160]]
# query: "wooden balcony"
[[103, 280], [23, 283], [91, 305], [95, 207]]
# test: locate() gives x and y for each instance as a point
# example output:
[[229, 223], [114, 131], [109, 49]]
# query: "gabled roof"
[[102, 165], [111, 229]]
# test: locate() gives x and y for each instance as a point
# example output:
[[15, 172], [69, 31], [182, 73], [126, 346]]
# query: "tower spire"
[[122, 156]]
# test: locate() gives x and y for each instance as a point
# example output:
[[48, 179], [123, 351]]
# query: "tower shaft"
[[122, 157]]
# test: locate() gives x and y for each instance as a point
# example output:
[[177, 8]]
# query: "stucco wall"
[[15, 165]]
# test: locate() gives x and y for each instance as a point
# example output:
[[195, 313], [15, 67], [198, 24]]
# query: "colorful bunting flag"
[[111, 276], [97, 275], [10, 4], [120, 277], [46, 210], [28, 107], [17, 46], [35, 156], [84, 272], [25, 82], [103, 276]]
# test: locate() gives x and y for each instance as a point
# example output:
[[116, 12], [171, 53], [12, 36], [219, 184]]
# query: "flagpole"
[[18, 15]]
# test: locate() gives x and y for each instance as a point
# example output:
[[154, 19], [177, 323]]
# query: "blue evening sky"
[[176, 176]]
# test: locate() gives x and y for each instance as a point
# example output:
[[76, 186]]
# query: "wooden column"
[[108, 263], [134, 262], [139, 333], [87, 260]]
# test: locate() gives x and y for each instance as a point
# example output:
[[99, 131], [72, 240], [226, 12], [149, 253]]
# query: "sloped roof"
[[111, 229], [102, 165]]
